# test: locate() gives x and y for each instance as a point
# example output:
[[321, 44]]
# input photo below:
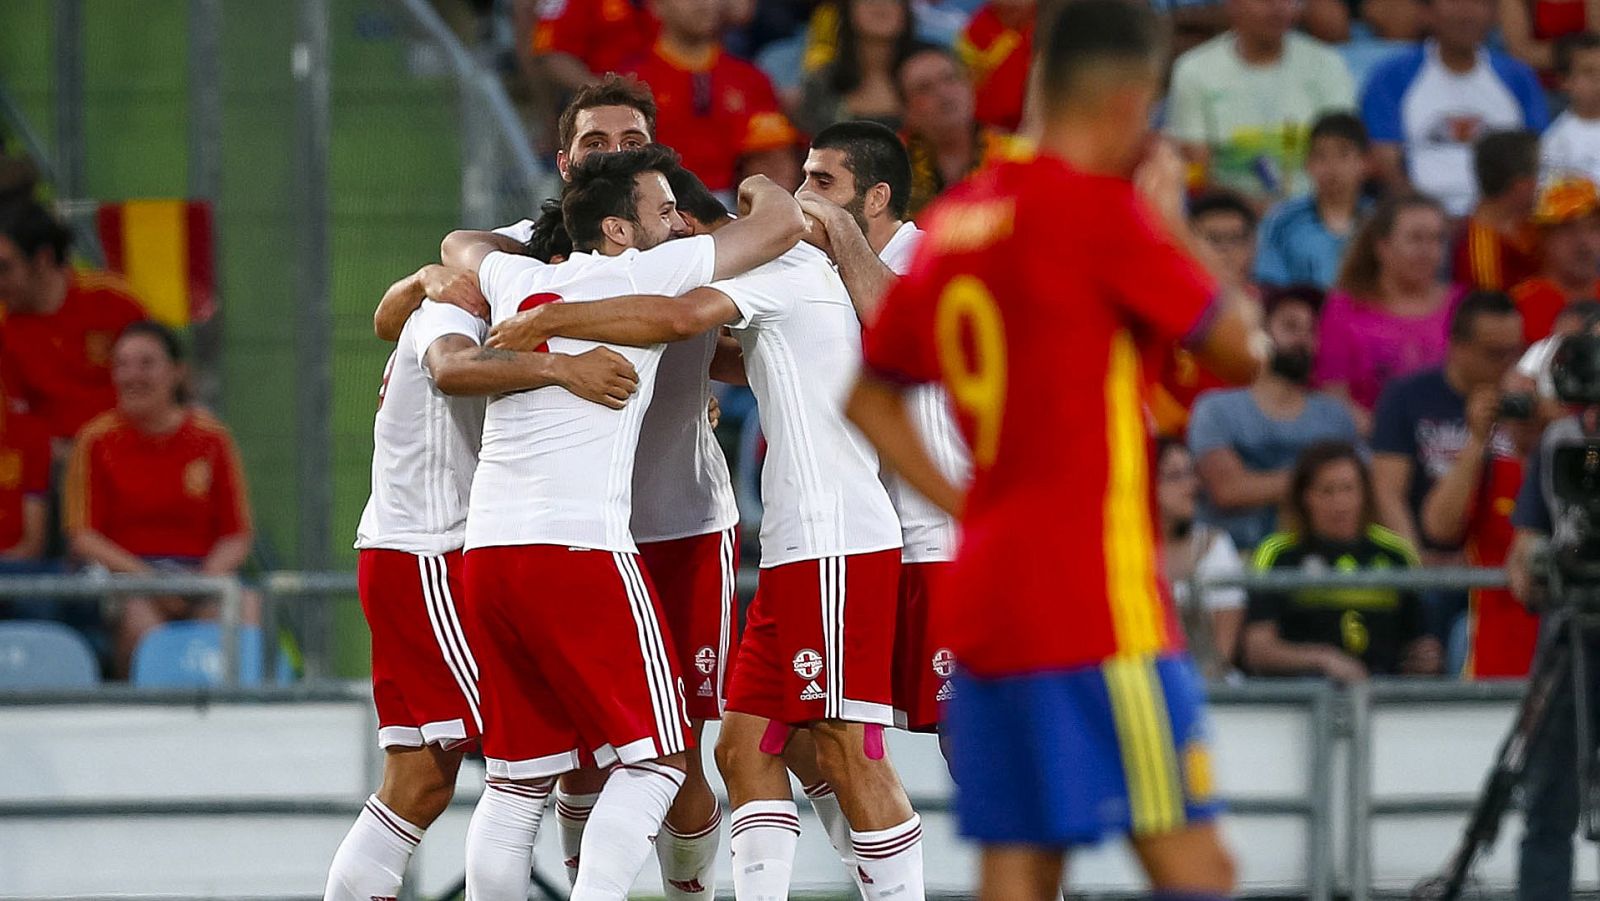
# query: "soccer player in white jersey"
[[576, 656], [818, 645], [424, 674], [857, 186]]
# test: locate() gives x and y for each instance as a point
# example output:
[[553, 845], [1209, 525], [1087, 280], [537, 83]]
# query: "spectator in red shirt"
[[1499, 246], [59, 325], [997, 48], [580, 40], [24, 482], [719, 113], [1568, 217], [155, 484]]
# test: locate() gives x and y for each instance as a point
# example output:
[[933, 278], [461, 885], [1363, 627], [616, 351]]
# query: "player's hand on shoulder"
[[524, 332], [600, 376], [457, 287], [752, 188]]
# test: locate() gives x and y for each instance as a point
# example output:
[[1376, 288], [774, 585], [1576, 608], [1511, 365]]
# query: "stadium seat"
[[43, 654], [188, 654]]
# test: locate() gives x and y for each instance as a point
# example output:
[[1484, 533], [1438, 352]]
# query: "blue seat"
[[188, 654], [43, 654]]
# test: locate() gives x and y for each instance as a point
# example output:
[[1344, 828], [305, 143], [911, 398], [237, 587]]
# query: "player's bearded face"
[[655, 218]]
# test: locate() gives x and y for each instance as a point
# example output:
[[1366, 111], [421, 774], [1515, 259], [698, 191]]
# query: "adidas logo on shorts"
[[946, 692], [705, 692], [813, 692]]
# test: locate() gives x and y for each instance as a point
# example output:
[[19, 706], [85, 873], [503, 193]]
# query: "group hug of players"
[[548, 557]]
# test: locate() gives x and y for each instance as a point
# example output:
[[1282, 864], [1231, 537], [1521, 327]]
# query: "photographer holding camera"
[[1557, 508]]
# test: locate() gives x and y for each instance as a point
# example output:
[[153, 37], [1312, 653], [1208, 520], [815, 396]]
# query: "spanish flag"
[[164, 249]]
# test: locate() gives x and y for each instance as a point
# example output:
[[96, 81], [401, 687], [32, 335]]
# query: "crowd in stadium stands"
[[97, 436], [1384, 175]]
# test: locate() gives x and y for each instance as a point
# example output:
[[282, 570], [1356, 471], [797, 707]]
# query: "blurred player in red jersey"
[[24, 482], [579, 40], [1076, 713], [718, 112], [59, 325]]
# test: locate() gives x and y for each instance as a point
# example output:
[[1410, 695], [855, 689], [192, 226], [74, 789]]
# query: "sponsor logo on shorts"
[[705, 689], [812, 692], [705, 660], [944, 663], [807, 664], [1198, 783], [946, 692]]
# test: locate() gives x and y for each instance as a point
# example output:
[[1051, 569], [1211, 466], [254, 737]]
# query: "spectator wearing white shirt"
[[1572, 144], [1196, 552], [1427, 108]]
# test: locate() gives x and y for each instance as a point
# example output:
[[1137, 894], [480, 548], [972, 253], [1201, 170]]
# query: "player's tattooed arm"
[[461, 367], [458, 287], [878, 409], [638, 320], [863, 272]]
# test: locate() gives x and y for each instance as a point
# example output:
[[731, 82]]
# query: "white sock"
[[572, 815], [500, 840], [622, 828], [762, 840], [826, 805], [688, 862], [890, 861], [371, 861]]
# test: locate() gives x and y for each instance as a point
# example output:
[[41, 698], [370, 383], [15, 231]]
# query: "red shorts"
[[696, 579], [577, 661], [819, 642], [424, 675], [922, 662]]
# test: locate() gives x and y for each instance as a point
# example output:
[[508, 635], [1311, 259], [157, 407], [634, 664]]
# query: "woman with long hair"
[[1194, 551], [1345, 634], [873, 36], [155, 485], [1389, 312]]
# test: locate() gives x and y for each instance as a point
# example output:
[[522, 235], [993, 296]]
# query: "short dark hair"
[[1308, 295], [170, 344], [1312, 461], [605, 185], [612, 90], [1222, 202], [874, 155], [1570, 45], [1475, 306], [1092, 33], [31, 227], [694, 197], [1341, 125], [1500, 158], [550, 239]]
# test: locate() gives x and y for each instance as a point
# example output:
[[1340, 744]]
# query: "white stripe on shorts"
[[434, 574], [653, 649]]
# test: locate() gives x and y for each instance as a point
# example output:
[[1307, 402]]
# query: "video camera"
[[1574, 554]]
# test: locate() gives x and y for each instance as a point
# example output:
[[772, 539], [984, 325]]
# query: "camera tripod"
[[1564, 659]]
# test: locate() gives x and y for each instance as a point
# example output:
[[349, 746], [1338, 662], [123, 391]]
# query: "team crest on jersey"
[[705, 660], [967, 227], [10, 469], [197, 478], [944, 663], [807, 664]]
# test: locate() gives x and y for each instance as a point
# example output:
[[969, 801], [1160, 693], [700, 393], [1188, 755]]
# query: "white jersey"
[[554, 468], [424, 444], [802, 346], [928, 532], [681, 486]]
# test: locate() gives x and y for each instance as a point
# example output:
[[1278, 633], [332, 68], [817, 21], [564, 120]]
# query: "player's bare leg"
[[371, 861], [576, 793], [624, 825], [687, 845], [501, 835], [766, 825], [1191, 861], [800, 756], [1020, 873], [885, 833]]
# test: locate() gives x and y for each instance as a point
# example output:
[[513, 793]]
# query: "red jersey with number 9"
[[1033, 297]]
